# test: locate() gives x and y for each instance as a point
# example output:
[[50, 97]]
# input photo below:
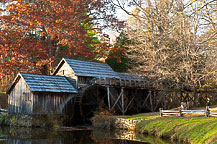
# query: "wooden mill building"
[[80, 87], [40, 94]]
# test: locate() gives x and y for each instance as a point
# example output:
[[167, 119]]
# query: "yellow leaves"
[[58, 20], [63, 42]]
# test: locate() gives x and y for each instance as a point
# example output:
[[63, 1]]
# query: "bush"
[[103, 119]]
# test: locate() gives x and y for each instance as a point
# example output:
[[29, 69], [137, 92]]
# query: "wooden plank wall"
[[56, 103], [67, 71], [20, 99], [84, 80]]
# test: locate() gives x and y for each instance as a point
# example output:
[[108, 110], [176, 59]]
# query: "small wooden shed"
[[40, 94]]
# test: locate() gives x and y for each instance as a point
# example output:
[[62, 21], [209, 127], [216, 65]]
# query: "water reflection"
[[42, 136]]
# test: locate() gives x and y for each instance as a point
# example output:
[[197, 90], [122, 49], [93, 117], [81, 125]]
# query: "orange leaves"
[[37, 33], [52, 36]]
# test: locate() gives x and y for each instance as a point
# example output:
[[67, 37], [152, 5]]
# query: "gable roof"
[[45, 83], [88, 69]]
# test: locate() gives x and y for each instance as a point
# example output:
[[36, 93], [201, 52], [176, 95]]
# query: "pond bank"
[[43, 121], [190, 130], [187, 130], [38, 135]]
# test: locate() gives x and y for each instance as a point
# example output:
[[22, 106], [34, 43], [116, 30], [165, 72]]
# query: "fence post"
[[207, 111], [161, 114], [180, 112]]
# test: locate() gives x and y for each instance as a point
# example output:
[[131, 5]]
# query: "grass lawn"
[[143, 116], [192, 130], [200, 130]]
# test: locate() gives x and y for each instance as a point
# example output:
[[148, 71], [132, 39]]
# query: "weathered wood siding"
[[56, 103], [20, 99], [84, 80], [66, 70]]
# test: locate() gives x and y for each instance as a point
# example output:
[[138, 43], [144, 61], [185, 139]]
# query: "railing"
[[208, 112], [3, 111]]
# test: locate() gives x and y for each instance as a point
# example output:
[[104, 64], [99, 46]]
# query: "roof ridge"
[[41, 74], [86, 61], [46, 83]]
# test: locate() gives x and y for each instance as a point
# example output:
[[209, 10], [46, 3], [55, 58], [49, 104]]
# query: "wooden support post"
[[99, 81], [108, 96], [144, 103], [161, 114], [117, 100], [129, 103], [112, 97], [207, 111], [180, 112], [76, 83], [122, 101], [104, 81], [151, 101]]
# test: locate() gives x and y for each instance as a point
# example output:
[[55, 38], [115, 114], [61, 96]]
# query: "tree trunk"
[[195, 98]]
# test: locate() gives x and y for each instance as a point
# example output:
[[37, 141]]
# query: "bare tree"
[[173, 42]]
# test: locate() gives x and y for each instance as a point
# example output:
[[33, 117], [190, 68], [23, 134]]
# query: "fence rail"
[[3, 111], [208, 112]]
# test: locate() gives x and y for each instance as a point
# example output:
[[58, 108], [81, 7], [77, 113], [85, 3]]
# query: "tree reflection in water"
[[43, 136]]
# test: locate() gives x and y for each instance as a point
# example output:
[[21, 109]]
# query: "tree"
[[36, 34], [171, 41], [117, 58]]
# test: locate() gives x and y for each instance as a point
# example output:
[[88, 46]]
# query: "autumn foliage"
[[35, 34]]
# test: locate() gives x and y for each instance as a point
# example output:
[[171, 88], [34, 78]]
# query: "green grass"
[[192, 130], [142, 116]]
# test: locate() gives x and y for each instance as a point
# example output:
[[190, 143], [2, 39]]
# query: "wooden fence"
[[208, 112], [3, 111]]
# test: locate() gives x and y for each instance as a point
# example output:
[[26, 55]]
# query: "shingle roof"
[[128, 76], [91, 69], [45, 83]]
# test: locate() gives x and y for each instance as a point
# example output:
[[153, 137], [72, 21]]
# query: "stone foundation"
[[128, 124], [110, 122]]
